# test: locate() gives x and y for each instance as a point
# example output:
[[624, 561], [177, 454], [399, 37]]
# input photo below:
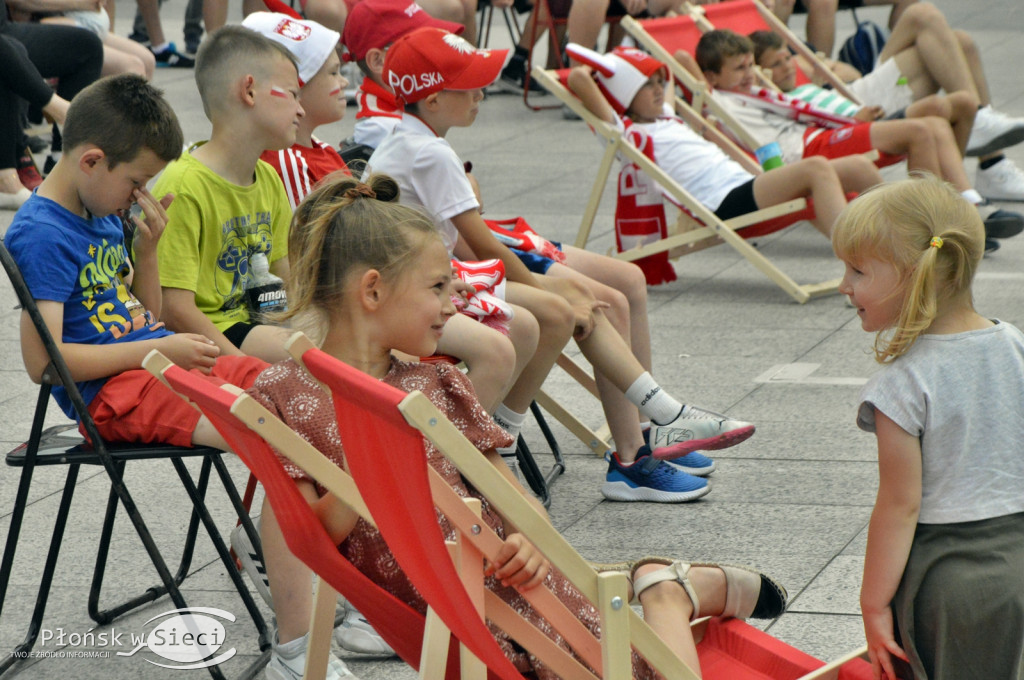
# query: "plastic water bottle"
[[265, 292]]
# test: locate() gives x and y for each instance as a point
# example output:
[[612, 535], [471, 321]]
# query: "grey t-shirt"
[[963, 396]]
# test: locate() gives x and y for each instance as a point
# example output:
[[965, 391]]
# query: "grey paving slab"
[[794, 500]]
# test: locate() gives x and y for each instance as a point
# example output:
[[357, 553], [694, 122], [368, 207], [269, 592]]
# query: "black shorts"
[[237, 333], [739, 201]]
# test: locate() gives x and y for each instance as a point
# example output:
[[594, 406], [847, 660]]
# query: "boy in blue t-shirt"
[[103, 313]]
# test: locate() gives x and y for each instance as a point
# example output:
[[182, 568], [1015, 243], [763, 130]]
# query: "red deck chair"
[[233, 414], [663, 37], [700, 227], [729, 650]]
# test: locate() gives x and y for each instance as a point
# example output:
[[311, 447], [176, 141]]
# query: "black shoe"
[[512, 77], [991, 245], [171, 58], [139, 37], [1000, 223], [192, 44]]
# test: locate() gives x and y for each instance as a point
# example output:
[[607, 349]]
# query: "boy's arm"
[[581, 82], [890, 534], [90, 362], [180, 311]]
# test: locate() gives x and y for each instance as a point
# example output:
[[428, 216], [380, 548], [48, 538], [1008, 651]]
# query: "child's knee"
[[963, 103], [524, 332], [555, 320], [923, 15]]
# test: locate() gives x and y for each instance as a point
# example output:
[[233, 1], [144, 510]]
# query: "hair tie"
[[358, 191], [936, 242]]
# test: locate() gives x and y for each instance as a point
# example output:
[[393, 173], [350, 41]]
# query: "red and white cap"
[[429, 60], [375, 24], [309, 42], [621, 73]]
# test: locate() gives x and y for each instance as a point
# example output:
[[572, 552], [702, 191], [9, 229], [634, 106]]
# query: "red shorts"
[[846, 141], [136, 407]]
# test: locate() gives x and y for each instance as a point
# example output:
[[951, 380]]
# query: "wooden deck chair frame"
[[251, 430], [62, 445], [358, 398], [711, 230]]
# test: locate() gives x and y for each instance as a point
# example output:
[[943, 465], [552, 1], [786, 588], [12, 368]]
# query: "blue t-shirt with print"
[[81, 263]]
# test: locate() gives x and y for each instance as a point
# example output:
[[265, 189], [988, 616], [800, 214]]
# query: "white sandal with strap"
[[748, 593]]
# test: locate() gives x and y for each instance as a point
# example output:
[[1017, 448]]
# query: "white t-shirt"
[[698, 165], [885, 86], [429, 174], [963, 396], [764, 126]]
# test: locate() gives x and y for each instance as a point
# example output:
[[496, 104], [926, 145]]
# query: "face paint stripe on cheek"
[[278, 92]]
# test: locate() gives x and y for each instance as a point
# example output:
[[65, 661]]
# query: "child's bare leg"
[[924, 27], [621, 415], [488, 354], [267, 343], [667, 607], [856, 173], [821, 24], [811, 177], [290, 579], [627, 279], [928, 147], [958, 108], [972, 57], [555, 322], [586, 17]]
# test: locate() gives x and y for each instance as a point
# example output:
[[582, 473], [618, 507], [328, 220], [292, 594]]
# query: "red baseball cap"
[[375, 24], [429, 60]]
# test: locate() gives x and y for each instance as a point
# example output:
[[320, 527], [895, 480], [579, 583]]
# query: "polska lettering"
[[410, 83]]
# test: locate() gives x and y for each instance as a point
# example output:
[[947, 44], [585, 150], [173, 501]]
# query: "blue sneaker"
[[694, 463], [650, 479]]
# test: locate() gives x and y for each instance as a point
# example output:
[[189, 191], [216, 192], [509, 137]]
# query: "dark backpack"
[[861, 49]]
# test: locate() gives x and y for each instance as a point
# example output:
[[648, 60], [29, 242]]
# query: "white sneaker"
[[355, 634], [993, 131], [288, 664], [1004, 181], [252, 561], [695, 428]]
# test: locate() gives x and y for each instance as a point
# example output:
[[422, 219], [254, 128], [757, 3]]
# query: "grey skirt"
[[959, 608]]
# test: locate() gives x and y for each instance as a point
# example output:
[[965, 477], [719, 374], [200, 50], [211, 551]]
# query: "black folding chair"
[[63, 445]]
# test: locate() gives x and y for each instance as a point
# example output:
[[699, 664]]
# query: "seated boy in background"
[[322, 96], [634, 96], [439, 78], [726, 60], [230, 206], [103, 313]]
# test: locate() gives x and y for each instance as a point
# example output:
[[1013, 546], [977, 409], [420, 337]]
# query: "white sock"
[[160, 48], [652, 401], [511, 422], [972, 197], [289, 651]]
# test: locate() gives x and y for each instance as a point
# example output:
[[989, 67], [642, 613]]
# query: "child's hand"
[[190, 350], [878, 629], [584, 305], [869, 114], [519, 564], [461, 288], [149, 231]]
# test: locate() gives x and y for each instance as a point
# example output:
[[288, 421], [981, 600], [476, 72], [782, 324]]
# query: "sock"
[[159, 48], [511, 422], [985, 165], [293, 649], [655, 403], [972, 197]]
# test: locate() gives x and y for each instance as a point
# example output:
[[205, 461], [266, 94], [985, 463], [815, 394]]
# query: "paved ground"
[[794, 500]]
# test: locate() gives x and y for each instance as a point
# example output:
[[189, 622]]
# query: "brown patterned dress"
[[291, 393]]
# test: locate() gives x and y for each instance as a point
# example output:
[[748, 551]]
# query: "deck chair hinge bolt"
[[475, 529], [261, 420], [433, 421], [616, 603]]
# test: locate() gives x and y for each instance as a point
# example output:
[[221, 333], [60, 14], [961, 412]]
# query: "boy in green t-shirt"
[[230, 207]]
